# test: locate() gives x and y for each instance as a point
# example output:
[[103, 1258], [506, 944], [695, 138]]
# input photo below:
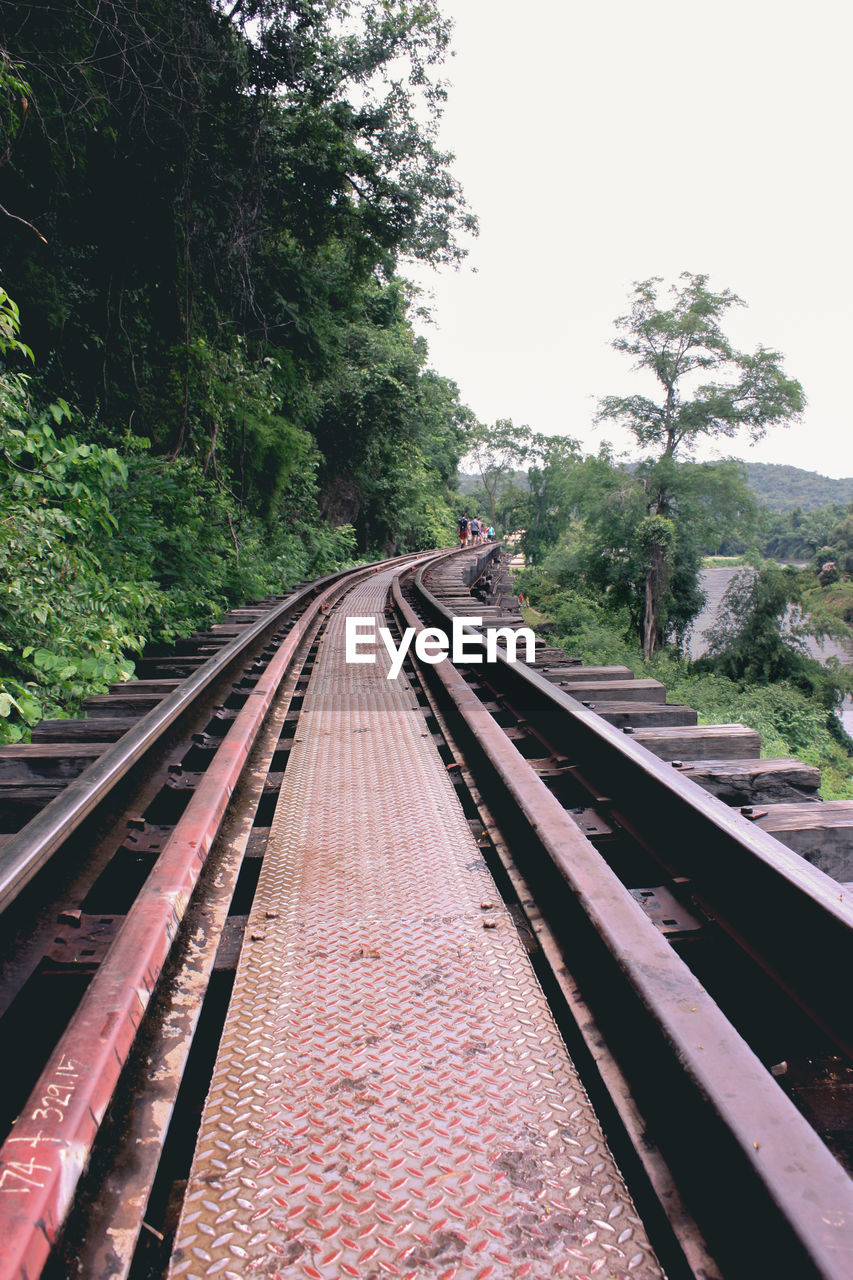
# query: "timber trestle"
[[493, 969]]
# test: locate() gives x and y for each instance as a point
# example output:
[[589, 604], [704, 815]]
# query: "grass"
[[791, 722], [835, 601]]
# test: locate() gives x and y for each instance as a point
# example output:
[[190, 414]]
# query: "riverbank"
[[792, 722], [715, 580]]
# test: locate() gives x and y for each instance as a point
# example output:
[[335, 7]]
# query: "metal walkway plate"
[[391, 1096]]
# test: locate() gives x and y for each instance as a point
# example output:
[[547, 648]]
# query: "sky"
[[604, 142]]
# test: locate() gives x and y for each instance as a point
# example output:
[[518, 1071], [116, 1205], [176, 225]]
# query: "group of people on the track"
[[474, 528]]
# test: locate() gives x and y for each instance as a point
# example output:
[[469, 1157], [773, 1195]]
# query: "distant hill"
[[780, 488], [468, 482], [784, 488]]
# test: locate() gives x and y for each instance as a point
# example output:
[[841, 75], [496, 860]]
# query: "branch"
[[24, 221]]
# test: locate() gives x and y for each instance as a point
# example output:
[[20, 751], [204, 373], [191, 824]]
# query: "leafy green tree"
[[760, 638], [601, 553], [708, 504], [760, 631], [709, 390], [88, 574], [65, 625], [606, 550], [389, 429], [798, 534], [686, 339], [840, 542], [656, 538], [551, 498], [220, 185], [206, 203], [495, 452], [542, 506]]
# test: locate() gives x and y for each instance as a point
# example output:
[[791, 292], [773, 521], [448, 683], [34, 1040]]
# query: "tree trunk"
[[649, 620], [657, 582]]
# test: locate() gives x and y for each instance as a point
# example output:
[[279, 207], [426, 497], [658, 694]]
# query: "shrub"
[[794, 719]]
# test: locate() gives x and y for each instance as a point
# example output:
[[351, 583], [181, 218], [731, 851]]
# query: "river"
[[714, 583]]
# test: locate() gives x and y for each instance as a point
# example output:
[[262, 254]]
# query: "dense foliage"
[[789, 699], [614, 549], [592, 518], [798, 535], [537, 501], [783, 488], [840, 542], [103, 549], [707, 390], [637, 532], [205, 209], [225, 198]]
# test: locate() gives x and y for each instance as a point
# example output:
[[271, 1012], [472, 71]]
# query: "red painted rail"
[[808, 1188], [49, 1146]]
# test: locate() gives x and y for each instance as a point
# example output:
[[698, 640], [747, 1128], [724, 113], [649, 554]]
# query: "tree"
[[840, 542], [525, 479], [761, 635], [709, 389], [686, 339], [550, 501], [221, 184], [797, 534], [496, 452], [390, 430], [205, 206]]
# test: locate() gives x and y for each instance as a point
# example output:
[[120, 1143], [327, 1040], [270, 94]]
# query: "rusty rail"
[[26, 852], [733, 1135], [727, 1123], [44, 1156], [788, 913]]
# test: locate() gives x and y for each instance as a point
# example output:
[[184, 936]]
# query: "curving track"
[[686, 954]]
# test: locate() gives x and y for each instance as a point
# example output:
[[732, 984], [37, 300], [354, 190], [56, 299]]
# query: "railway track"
[[689, 958], [653, 900]]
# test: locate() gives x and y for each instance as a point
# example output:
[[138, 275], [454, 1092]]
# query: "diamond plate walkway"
[[391, 1095]]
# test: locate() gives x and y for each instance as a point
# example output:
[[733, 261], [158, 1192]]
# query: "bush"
[[793, 720], [102, 553]]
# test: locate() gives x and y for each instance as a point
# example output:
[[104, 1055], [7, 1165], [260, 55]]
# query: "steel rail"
[[28, 850], [791, 916], [48, 1148], [755, 1144]]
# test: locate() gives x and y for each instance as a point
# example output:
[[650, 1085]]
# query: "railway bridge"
[[316, 967]]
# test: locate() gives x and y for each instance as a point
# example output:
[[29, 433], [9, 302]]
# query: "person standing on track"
[[462, 526]]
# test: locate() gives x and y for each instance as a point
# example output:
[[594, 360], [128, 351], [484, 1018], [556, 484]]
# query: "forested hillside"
[[784, 488], [212, 387], [778, 487]]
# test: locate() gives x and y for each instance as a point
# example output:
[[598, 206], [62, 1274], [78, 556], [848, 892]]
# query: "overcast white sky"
[[607, 141]]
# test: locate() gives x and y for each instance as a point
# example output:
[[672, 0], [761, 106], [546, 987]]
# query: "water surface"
[[714, 583]]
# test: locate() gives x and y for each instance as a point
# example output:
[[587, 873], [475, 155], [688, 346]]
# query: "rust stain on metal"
[[392, 1096], [58, 1124]]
